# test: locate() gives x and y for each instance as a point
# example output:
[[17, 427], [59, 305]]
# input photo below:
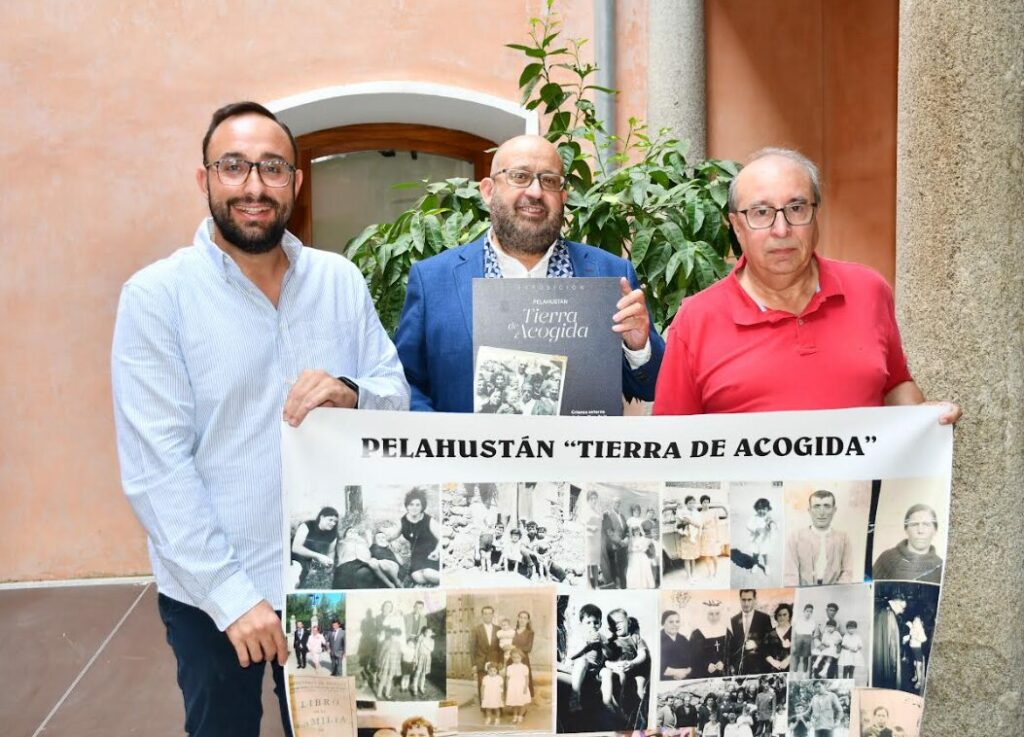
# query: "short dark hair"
[[590, 610], [705, 497], [668, 613], [784, 605], [246, 107], [416, 493], [762, 503], [752, 591]]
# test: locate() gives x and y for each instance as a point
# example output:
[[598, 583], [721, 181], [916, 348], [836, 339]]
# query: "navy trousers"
[[222, 699]]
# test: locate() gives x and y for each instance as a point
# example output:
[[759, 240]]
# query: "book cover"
[[546, 346]]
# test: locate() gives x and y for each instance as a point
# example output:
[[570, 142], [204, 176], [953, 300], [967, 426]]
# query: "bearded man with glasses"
[[214, 345], [526, 194], [787, 329]]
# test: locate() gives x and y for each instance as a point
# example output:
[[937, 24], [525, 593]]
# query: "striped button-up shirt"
[[202, 362]]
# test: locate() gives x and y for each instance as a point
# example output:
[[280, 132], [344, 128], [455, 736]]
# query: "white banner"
[[730, 575]]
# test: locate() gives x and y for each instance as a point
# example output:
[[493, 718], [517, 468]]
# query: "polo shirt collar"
[[745, 310]]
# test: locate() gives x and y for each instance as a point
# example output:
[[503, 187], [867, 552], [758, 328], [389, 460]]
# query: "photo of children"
[[396, 644], [758, 534], [511, 534], [499, 659], [695, 535], [367, 537], [909, 527], [832, 633], [510, 382], [826, 532], [605, 660]]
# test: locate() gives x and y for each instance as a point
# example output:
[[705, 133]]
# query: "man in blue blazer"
[[526, 194]]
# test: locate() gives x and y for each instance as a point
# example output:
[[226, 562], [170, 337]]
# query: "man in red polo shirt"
[[787, 329]]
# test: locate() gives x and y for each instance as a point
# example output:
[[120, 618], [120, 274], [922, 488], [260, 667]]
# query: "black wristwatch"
[[351, 385]]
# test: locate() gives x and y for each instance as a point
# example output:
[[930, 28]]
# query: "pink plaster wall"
[[105, 106]]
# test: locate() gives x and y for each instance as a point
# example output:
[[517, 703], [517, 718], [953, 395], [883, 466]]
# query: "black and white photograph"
[[695, 532], [757, 525], [512, 534], [901, 640], [723, 707], [605, 657], [819, 708], [315, 630], [510, 382], [406, 719], [367, 537], [622, 530], [397, 644], [880, 712], [909, 529], [759, 634], [500, 655], [832, 633], [826, 532]]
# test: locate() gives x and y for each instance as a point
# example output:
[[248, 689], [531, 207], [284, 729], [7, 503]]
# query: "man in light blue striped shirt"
[[213, 346]]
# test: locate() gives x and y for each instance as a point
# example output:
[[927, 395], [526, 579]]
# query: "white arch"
[[423, 103]]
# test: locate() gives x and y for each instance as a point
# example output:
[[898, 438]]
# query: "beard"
[[516, 236], [253, 239]]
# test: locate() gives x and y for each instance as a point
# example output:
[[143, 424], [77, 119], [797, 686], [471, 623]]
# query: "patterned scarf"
[[559, 266]]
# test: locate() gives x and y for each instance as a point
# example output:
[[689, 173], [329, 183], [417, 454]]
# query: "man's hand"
[[257, 636], [632, 319], [952, 414], [316, 389]]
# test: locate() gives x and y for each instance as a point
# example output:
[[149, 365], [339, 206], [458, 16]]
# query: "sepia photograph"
[[909, 528], [368, 537], [406, 719], [500, 654], [509, 382], [901, 640], [832, 633], [315, 630], [757, 534], [695, 532], [397, 645], [826, 532], [883, 713], [622, 530], [723, 707], [512, 534], [605, 660], [820, 708]]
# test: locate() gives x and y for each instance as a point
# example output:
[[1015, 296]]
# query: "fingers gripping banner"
[[727, 575]]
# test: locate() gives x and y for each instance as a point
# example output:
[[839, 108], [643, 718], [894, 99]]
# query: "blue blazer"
[[435, 332]]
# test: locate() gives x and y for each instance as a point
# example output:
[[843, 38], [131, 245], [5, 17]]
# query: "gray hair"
[[787, 153]]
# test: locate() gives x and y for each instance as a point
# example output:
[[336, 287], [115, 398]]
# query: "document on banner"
[[773, 574]]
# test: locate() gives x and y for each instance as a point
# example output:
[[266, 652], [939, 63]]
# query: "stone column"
[[676, 94], [960, 298]]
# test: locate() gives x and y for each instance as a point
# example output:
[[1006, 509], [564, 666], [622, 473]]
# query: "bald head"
[[516, 152], [771, 160]]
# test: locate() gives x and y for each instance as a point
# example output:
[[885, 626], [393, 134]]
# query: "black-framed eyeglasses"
[[233, 171], [762, 217], [521, 179]]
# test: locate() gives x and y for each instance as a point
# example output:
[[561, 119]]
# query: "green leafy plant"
[[634, 195]]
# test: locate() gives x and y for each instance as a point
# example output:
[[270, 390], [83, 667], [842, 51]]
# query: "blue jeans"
[[222, 699]]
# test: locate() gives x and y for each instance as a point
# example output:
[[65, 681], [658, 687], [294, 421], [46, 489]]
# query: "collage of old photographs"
[[784, 608]]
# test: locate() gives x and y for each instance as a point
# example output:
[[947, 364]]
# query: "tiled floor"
[[79, 661]]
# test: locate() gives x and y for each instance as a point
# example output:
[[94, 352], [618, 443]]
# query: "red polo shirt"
[[725, 354]]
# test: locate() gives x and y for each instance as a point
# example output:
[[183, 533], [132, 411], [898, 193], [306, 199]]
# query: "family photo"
[[695, 532], [605, 660], [396, 645], [510, 382], [499, 659], [901, 640], [368, 537], [752, 706], [832, 633], [909, 528], [758, 534], [511, 534], [820, 708], [315, 630], [826, 532], [622, 534]]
